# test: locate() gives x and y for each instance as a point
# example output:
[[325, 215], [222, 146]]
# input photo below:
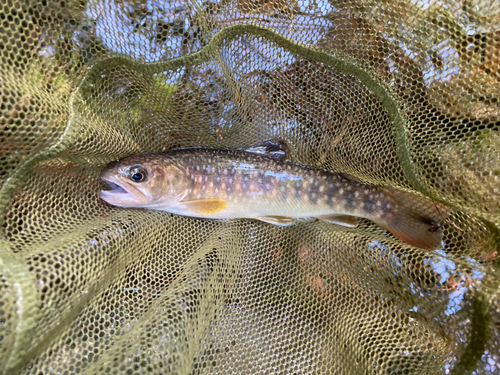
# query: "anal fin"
[[283, 221], [345, 220]]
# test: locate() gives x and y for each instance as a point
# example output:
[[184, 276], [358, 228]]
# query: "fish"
[[250, 184]]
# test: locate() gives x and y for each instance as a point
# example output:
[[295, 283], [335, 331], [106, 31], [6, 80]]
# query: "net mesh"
[[395, 93]]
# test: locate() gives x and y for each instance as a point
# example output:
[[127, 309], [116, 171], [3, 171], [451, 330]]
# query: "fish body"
[[221, 184]]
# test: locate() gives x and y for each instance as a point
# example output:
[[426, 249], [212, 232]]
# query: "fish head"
[[148, 181]]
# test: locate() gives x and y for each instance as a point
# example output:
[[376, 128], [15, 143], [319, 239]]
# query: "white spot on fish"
[[218, 178], [206, 178], [259, 180], [322, 188], [225, 171], [230, 181], [341, 191], [356, 194], [197, 167], [203, 187], [211, 184], [216, 190], [255, 193], [223, 186], [348, 188]]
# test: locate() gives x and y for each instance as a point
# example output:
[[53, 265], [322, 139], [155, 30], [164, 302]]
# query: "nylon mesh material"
[[395, 93]]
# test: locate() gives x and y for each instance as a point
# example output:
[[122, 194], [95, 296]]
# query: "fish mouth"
[[115, 188], [118, 195]]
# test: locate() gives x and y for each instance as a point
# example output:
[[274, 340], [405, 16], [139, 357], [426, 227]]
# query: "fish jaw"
[[121, 195]]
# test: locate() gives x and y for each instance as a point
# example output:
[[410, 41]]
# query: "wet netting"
[[400, 93]]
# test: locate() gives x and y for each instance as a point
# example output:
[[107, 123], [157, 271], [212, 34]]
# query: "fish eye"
[[137, 174]]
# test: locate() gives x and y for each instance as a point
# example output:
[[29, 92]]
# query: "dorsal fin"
[[349, 177], [275, 149]]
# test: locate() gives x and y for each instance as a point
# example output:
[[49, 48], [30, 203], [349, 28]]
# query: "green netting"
[[395, 93]]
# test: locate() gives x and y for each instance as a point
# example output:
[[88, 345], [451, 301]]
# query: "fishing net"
[[394, 93]]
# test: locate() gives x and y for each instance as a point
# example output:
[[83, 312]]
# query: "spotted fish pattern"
[[246, 179], [223, 184]]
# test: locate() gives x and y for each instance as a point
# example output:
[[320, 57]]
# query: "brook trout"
[[219, 184]]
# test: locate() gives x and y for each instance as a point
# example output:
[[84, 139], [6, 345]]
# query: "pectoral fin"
[[205, 206], [283, 221], [345, 220]]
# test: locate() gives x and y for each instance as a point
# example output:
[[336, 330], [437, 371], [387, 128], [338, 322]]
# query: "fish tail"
[[415, 219]]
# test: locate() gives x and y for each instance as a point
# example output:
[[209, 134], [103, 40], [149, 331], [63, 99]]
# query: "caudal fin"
[[415, 219]]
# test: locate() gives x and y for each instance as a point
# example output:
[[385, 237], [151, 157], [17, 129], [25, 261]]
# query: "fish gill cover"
[[395, 93]]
